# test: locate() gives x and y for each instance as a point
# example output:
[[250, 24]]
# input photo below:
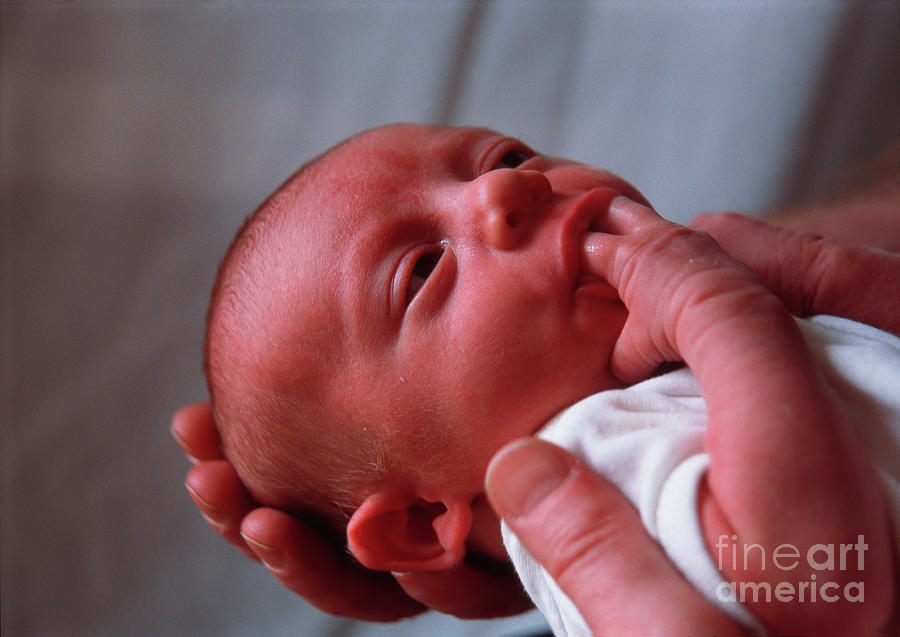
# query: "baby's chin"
[[485, 538]]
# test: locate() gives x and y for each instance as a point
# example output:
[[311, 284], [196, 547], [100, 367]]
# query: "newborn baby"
[[418, 296]]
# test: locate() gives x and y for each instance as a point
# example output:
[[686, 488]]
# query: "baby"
[[418, 296]]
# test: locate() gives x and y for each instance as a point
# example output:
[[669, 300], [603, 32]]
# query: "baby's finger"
[[591, 540], [218, 492], [322, 573], [194, 429]]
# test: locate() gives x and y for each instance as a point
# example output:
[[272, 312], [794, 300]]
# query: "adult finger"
[[591, 540], [811, 274], [627, 216], [218, 492], [194, 429], [309, 563], [306, 562], [468, 591]]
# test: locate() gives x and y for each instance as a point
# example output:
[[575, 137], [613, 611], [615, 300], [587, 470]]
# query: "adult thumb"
[[590, 539]]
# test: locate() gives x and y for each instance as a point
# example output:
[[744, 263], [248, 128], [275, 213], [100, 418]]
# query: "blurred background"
[[137, 135]]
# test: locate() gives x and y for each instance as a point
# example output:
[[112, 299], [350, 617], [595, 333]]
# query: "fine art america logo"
[[821, 558]]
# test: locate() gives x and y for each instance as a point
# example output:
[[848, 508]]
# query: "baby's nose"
[[508, 202]]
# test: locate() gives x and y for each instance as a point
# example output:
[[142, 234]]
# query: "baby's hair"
[[317, 462]]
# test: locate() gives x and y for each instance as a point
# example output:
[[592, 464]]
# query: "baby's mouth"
[[590, 217], [596, 286]]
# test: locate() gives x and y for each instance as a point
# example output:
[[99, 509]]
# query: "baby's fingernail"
[[522, 475], [271, 557]]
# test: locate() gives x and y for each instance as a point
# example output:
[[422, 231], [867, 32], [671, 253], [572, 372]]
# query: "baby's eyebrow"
[[466, 141], [368, 270]]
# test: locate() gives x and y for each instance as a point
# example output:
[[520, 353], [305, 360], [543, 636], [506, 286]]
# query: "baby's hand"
[[676, 283]]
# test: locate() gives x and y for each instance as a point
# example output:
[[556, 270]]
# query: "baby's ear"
[[394, 531]]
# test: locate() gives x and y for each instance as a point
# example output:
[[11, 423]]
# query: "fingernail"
[[590, 245], [218, 526], [213, 515], [271, 557], [522, 475], [180, 441]]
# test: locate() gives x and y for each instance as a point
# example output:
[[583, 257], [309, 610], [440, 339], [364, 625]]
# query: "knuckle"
[[820, 258], [584, 551], [591, 536]]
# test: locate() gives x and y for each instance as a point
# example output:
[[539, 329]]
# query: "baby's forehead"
[[355, 193], [407, 142], [371, 179], [401, 135], [382, 164]]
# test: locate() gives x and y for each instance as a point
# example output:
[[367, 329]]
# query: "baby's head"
[[394, 313]]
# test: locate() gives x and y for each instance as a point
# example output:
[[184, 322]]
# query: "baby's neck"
[[485, 538]]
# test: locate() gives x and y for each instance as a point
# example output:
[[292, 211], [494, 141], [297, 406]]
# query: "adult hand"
[[314, 567], [812, 274], [591, 540], [297, 554]]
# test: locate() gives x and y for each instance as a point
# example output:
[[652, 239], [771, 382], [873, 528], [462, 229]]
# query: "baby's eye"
[[513, 159], [422, 269]]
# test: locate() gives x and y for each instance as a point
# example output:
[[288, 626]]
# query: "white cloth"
[[648, 441]]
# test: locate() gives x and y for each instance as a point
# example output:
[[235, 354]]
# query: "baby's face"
[[447, 269]]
